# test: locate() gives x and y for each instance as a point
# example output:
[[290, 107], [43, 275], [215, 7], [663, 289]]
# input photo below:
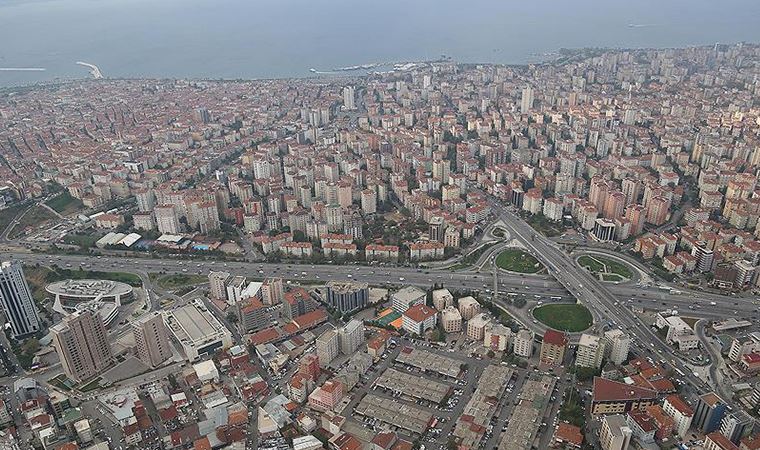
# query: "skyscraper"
[[17, 300], [82, 345], [166, 219], [526, 102], [152, 340], [348, 98]]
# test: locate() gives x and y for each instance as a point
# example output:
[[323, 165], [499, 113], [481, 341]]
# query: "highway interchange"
[[566, 281]]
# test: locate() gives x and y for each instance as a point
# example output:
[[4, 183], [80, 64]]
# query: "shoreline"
[[559, 56]]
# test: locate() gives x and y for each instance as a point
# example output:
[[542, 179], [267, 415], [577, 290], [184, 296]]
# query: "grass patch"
[[45, 275], [91, 385], [34, 217], [609, 269], [8, 214], [25, 351], [65, 204], [591, 263], [517, 260], [540, 223], [176, 281], [473, 257], [565, 317], [60, 381], [85, 241], [612, 277]]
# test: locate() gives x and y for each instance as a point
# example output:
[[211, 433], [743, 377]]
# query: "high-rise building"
[[615, 433], [657, 210], [351, 336], [217, 282], [436, 228], [526, 102], [442, 299], [146, 200], [604, 230], [369, 201], [17, 301], [590, 351], [553, 347], [82, 345], [709, 412], [203, 115], [451, 320], [736, 425], [297, 302], [349, 94], [523, 345], [705, 258], [152, 340], [347, 296], [272, 291], [681, 412], [166, 219], [617, 345], [328, 346]]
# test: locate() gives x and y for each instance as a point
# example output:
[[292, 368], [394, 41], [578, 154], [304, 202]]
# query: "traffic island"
[[572, 318]]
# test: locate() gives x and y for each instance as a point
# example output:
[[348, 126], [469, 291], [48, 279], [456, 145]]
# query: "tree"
[[172, 381], [490, 354], [232, 317], [30, 346]]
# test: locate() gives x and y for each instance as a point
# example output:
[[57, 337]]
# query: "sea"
[[42, 40]]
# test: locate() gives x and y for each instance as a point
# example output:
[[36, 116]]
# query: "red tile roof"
[[555, 337], [680, 405], [722, 441], [569, 433], [419, 313], [607, 390]]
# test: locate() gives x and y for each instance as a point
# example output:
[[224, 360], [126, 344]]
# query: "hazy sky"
[[276, 38]]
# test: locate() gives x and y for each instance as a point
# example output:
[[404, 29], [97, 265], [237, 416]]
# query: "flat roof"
[[194, 323], [398, 414], [413, 385], [425, 360]]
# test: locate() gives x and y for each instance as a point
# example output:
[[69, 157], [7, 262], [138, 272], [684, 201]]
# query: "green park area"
[[517, 260], [606, 268], [177, 280], [565, 317], [65, 204], [32, 218], [8, 214]]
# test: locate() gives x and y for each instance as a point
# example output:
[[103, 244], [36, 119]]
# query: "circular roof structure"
[[86, 289]]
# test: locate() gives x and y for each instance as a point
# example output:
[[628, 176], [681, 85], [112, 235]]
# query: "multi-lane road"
[[561, 266], [565, 279], [606, 306]]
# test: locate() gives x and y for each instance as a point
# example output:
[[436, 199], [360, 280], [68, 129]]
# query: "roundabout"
[[518, 260]]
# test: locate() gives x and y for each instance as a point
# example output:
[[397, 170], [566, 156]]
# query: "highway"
[[530, 285], [603, 304]]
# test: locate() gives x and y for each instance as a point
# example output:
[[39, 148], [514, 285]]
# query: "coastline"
[[558, 57]]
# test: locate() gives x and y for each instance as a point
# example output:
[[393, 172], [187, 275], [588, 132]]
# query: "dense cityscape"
[[438, 256]]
